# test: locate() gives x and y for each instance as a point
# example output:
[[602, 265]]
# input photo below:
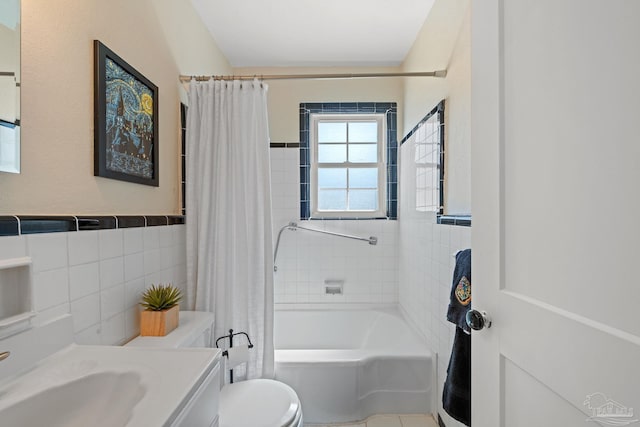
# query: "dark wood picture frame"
[[125, 120]]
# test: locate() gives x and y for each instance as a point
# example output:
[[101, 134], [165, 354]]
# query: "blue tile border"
[[437, 109], [183, 156], [9, 226], [284, 145], [391, 111], [32, 224]]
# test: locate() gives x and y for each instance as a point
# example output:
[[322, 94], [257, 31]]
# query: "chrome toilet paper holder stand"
[[226, 353]]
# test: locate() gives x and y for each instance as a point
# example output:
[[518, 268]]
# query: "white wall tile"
[[165, 237], [180, 253], [133, 266], [111, 243], [151, 238], [84, 280], [83, 247], [132, 292], [426, 268], [111, 272], [133, 240], [48, 251], [85, 273], [51, 288], [179, 235], [13, 247], [89, 336], [85, 312], [154, 278], [111, 301], [151, 261], [180, 274], [112, 331], [132, 322], [50, 313], [166, 256]]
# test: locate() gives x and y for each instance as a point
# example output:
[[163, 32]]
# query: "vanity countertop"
[[135, 385]]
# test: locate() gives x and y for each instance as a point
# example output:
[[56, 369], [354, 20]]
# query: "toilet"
[[251, 403]]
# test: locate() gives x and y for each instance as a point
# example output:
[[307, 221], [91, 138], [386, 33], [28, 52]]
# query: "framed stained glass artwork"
[[125, 120]]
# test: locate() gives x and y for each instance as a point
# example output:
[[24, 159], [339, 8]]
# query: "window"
[[348, 168], [347, 111], [426, 142]]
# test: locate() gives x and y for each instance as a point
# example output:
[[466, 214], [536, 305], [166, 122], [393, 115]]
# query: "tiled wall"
[[306, 260], [98, 276], [426, 260]]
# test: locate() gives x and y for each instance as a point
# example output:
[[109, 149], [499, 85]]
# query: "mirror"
[[10, 86]]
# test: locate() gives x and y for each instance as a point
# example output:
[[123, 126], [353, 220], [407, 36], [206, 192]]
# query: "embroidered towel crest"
[[463, 291], [460, 299]]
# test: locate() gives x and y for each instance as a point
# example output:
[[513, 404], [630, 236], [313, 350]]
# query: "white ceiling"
[[278, 33]]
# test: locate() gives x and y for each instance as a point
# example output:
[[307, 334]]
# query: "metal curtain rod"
[[294, 226], [440, 73]]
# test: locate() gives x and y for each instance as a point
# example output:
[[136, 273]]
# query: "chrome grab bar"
[[372, 240]]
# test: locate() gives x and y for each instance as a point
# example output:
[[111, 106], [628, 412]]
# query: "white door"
[[556, 212]]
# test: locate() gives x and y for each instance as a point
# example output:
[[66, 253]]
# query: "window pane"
[[332, 178], [332, 200], [363, 153], [363, 200], [363, 132], [332, 132], [332, 153], [363, 178]]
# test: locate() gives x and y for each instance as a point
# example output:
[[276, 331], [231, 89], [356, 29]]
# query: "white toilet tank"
[[194, 330]]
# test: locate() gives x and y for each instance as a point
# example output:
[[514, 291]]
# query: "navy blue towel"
[[460, 299], [456, 395]]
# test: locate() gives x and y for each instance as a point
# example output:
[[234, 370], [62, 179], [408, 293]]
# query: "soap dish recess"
[[16, 295]]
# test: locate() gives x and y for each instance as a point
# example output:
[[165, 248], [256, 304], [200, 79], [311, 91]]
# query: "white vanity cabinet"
[[192, 334], [202, 408]]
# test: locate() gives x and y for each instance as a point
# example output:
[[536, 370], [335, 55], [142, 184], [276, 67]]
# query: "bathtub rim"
[[350, 357], [393, 309]]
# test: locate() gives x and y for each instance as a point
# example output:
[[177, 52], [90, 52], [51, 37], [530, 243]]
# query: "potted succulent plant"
[[160, 314]]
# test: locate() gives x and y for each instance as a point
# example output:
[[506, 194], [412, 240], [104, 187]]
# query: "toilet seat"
[[259, 403]]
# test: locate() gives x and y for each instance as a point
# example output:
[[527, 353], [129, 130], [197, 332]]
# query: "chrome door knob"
[[478, 320]]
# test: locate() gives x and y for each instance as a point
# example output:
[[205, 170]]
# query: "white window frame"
[[381, 165]]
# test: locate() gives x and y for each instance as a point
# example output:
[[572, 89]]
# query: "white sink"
[[49, 381], [105, 398]]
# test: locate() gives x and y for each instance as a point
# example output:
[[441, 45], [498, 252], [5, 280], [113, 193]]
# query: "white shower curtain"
[[228, 214]]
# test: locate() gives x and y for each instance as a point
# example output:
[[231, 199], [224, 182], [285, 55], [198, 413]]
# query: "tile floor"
[[389, 421]]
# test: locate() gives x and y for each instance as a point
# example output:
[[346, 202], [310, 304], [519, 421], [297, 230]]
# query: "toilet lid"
[[258, 403]]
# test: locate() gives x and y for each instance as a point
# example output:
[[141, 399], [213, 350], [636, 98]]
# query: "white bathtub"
[[347, 365]]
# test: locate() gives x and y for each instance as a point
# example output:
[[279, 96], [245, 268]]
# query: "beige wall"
[[285, 96], [160, 38], [444, 42]]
